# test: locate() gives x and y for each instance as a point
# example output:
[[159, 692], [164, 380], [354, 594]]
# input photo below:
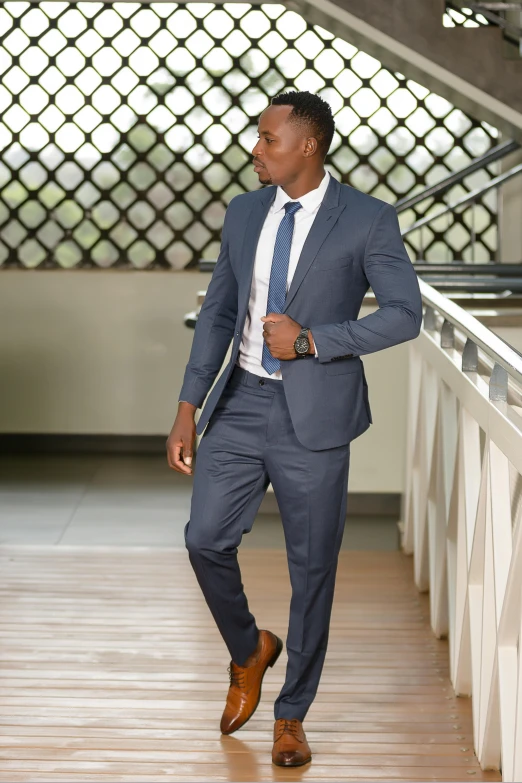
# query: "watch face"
[[302, 345]]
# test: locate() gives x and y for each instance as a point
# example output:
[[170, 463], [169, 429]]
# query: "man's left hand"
[[280, 333]]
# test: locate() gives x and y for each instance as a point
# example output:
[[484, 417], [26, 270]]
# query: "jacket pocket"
[[331, 264], [342, 367]]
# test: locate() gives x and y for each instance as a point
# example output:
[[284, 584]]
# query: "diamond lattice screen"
[[126, 129]]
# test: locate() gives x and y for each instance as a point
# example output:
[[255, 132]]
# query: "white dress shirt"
[[251, 346]]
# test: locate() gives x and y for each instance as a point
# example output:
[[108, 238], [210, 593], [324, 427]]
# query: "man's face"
[[279, 148]]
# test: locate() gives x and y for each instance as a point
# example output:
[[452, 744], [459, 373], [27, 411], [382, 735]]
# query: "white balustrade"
[[462, 514]]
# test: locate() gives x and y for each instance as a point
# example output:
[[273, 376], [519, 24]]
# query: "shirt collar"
[[309, 202]]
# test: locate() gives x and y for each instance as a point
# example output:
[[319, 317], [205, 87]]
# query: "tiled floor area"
[[127, 501]]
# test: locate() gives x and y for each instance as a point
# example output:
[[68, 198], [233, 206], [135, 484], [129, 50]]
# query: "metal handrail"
[[492, 345], [470, 197], [494, 154]]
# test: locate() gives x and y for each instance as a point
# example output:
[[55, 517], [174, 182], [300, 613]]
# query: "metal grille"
[[126, 129], [460, 16]]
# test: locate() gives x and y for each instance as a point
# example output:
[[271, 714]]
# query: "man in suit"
[[296, 259]]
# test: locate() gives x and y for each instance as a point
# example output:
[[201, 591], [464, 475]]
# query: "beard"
[[267, 180]]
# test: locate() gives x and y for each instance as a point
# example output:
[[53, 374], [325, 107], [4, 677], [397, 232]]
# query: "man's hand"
[[280, 333], [180, 443]]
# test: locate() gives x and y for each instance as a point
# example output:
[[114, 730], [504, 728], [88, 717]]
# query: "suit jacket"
[[354, 243]]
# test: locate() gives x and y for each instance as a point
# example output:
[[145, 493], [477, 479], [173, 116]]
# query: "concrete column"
[[510, 214]]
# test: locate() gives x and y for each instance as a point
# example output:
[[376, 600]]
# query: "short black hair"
[[309, 110]]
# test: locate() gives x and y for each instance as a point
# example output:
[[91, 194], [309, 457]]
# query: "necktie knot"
[[291, 207]]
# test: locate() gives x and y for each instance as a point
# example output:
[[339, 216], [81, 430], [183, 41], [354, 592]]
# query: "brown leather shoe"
[[244, 692], [290, 746]]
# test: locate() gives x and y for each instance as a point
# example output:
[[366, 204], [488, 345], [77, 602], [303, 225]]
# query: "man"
[[296, 259]]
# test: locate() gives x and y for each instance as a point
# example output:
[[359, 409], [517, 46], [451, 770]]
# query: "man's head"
[[295, 133]]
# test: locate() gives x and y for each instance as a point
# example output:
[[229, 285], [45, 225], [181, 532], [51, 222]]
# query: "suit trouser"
[[250, 442]]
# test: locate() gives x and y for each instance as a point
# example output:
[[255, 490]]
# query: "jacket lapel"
[[254, 224], [324, 221]]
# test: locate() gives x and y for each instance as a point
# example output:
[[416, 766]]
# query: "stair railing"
[[457, 206], [496, 153], [462, 514]]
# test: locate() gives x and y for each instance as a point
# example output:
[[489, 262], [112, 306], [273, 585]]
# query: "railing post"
[[447, 335], [430, 320], [470, 357], [498, 383]]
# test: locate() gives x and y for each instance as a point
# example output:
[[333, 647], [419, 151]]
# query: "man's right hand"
[[180, 443]]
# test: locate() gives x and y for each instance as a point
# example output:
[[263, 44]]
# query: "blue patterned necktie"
[[278, 276]]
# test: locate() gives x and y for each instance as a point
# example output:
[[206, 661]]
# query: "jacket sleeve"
[[393, 279], [214, 326]]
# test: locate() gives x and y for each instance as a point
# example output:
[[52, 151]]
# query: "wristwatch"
[[302, 343]]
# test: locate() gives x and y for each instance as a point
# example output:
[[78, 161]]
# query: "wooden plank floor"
[[112, 670]]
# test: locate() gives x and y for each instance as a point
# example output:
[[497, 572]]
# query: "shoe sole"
[[273, 659], [299, 764]]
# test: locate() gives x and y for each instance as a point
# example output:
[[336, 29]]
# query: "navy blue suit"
[[293, 433]]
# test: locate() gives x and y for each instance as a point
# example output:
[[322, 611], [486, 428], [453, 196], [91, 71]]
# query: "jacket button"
[[261, 382]]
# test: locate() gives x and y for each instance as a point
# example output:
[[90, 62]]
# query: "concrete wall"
[[105, 351]]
